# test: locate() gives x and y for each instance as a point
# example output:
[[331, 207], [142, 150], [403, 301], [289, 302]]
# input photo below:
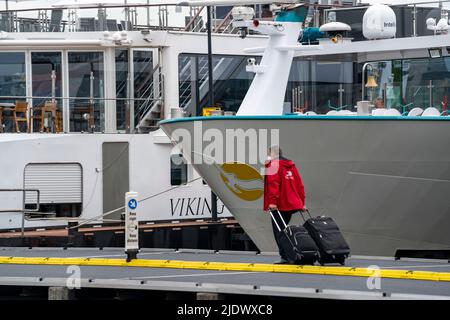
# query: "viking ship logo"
[[242, 180]]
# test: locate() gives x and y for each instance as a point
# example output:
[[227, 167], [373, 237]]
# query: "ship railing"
[[153, 104], [412, 17], [111, 17], [94, 17], [25, 209], [24, 200], [195, 23]]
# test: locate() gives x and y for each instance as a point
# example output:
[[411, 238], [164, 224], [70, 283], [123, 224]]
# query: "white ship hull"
[[386, 181], [147, 172]]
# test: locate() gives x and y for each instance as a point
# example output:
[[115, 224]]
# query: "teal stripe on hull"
[[296, 117]]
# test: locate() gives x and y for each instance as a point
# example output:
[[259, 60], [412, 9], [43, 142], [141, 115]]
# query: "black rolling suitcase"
[[298, 245], [332, 246]]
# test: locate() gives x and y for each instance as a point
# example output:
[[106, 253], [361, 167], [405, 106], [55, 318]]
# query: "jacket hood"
[[286, 163]]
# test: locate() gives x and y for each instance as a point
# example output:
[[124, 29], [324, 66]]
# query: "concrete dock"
[[223, 273]]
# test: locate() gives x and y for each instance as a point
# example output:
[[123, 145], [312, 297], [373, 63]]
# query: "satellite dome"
[[379, 22], [335, 26]]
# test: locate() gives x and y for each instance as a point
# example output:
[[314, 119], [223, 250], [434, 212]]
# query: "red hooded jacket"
[[283, 186]]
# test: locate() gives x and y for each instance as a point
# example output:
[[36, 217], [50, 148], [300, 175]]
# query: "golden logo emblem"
[[242, 180]]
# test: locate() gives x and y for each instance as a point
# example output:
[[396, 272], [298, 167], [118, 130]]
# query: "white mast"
[[267, 91]]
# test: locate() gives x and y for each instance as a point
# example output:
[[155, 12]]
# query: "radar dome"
[[379, 22]]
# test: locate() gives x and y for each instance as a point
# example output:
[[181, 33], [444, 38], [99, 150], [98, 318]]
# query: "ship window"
[[231, 82], [143, 83], [122, 118], [46, 83], [12, 75], [178, 170], [87, 108], [12, 83]]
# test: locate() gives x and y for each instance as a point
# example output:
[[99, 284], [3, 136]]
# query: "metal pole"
[[210, 60], [127, 15], [430, 87], [91, 87], [364, 79], [211, 98], [91, 121], [22, 228], [363, 93], [8, 26], [53, 77], [148, 14]]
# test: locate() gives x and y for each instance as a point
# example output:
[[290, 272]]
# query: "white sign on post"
[[131, 225]]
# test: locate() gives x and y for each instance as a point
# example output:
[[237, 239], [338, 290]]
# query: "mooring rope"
[[86, 221]]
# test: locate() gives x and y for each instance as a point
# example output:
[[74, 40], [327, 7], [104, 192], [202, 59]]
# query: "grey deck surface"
[[287, 283]]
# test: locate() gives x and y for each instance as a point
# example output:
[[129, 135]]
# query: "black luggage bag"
[[296, 242], [332, 246]]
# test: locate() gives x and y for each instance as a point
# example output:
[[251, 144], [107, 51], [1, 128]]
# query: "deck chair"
[[20, 115], [101, 23], [124, 25], [78, 120], [48, 109], [87, 24], [6, 22], [55, 20], [111, 25]]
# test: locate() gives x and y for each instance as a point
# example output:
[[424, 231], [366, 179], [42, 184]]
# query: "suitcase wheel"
[[341, 261]]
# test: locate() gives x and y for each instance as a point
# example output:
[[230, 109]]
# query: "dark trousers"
[[286, 216]]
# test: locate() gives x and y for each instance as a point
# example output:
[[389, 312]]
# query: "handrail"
[[224, 20], [93, 6], [68, 98], [193, 19], [38, 198]]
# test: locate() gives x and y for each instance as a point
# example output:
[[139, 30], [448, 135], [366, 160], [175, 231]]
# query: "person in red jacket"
[[283, 191]]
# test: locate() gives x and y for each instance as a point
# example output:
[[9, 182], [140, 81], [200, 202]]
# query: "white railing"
[[415, 8], [110, 17]]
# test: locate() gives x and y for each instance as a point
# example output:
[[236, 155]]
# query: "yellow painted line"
[[232, 266]]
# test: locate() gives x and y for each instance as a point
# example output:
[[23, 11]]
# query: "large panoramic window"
[[46, 79], [320, 86], [425, 82], [12, 76], [143, 83], [405, 84], [12, 85], [46, 84], [86, 90], [231, 82]]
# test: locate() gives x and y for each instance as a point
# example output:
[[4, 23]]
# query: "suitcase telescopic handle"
[[275, 220], [307, 211]]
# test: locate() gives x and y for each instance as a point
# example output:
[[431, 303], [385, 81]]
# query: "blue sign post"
[[131, 226]]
